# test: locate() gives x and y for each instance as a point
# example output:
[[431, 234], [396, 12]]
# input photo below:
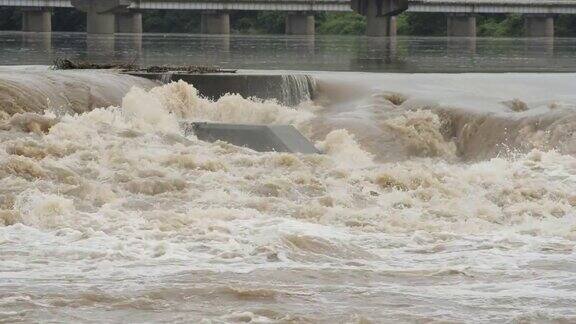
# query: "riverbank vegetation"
[[247, 22]]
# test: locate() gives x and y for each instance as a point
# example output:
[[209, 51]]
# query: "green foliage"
[[402, 24], [273, 22], [422, 24], [500, 25], [171, 21], [63, 19], [566, 26], [259, 22], [10, 19], [342, 24], [245, 22], [68, 19]]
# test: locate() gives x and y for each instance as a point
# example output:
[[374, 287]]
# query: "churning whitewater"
[[440, 198]]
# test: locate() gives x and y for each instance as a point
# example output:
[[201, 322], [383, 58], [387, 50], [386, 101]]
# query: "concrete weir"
[[261, 138], [287, 89]]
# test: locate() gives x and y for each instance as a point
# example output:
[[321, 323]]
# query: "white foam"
[[118, 198]]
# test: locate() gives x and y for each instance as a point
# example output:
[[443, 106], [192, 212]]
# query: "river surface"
[[324, 53], [440, 197]]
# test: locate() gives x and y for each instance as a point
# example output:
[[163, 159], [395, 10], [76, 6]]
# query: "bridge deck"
[[495, 6], [448, 6]]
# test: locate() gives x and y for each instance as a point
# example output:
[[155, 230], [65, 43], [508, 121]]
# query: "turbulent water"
[[440, 198]]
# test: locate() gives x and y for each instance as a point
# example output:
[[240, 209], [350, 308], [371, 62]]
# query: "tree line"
[[248, 22]]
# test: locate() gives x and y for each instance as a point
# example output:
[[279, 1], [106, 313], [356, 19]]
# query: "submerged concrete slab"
[[261, 138]]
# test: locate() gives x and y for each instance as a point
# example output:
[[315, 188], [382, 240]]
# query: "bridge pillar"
[[37, 20], [461, 25], [100, 23], [129, 22], [380, 26], [539, 25], [100, 14], [380, 15], [215, 22], [300, 24]]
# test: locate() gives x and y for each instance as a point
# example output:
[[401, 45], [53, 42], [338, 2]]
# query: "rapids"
[[440, 198]]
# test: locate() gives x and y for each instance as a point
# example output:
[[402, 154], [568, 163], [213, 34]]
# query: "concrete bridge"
[[125, 16]]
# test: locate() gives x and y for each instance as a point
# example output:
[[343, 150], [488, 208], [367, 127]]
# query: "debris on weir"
[[68, 64], [186, 69]]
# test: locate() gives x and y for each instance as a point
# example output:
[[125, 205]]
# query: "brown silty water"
[[440, 198]]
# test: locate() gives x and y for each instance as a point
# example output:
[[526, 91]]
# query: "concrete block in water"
[[261, 138]]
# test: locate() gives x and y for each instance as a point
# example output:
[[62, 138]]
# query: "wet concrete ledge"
[[261, 138], [287, 89]]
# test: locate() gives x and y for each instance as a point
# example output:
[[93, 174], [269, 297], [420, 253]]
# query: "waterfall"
[[166, 77], [297, 88]]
